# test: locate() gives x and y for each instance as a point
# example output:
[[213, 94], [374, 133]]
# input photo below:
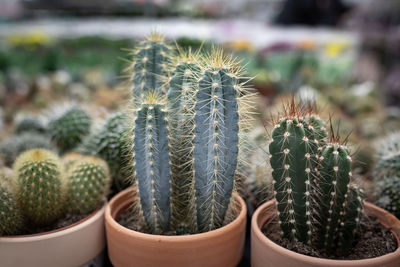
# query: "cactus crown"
[[316, 203], [186, 144]]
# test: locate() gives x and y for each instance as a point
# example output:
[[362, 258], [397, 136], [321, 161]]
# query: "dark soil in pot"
[[373, 241]]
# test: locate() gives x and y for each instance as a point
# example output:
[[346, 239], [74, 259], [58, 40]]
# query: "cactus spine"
[[11, 220], [152, 164], [40, 185], [150, 67], [69, 128], [88, 184]]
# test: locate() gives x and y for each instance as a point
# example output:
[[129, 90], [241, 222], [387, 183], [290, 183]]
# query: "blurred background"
[[343, 53]]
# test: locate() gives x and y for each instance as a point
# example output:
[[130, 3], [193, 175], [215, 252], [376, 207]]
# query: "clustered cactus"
[[42, 188], [316, 203], [186, 138]]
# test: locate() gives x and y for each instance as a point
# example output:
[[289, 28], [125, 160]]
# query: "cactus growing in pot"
[[316, 203]]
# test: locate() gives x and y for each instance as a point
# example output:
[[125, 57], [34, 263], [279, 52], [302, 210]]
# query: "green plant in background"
[[11, 147], [39, 185], [69, 127], [388, 156], [388, 192], [192, 133], [88, 184], [11, 220], [316, 203], [110, 143], [29, 124]]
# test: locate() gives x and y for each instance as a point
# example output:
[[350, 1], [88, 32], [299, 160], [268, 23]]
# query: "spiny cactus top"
[[69, 127], [29, 124], [88, 184], [389, 194], [150, 67], [316, 203], [39, 185], [11, 220], [388, 156]]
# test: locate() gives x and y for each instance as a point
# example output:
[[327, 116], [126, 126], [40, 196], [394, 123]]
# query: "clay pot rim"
[[256, 229], [158, 238], [94, 216]]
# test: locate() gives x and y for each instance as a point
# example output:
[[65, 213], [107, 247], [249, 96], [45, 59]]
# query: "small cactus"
[[150, 67], [68, 128], [11, 147], [88, 184], [11, 220], [70, 159], [389, 194], [388, 156], [39, 185], [29, 124]]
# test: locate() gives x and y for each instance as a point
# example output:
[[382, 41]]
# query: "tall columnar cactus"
[[389, 194], [319, 127], [388, 156], [68, 128], [39, 185], [11, 220], [110, 143], [88, 184], [150, 67], [293, 151], [215, 145], [152, 164], [181, 101]]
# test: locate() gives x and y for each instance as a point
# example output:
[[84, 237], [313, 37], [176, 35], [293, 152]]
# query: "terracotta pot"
[[73, 245], [219, 248], [265, 253]]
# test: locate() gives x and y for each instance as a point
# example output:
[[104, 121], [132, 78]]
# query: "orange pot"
[[265, 253], [73, 245], [218, 248]]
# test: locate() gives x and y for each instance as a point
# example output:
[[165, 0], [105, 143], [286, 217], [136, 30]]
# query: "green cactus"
[[150, 67], [68, 128], [388, 156], [316, 203], [39, 185], [11, 147], [152, 164], [69, 159], [11, 219], [88, 184], [389, 194], [110, 143], [181, 100], [29, 124]]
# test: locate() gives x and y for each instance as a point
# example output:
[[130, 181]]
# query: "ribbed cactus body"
[[88, 184], [389, 194], [68, 129], [293, 152], [150, 67], [39, 185], [181, 101], [152, 165], [11, 220], [335, 168], [319, 127], [215, 146]]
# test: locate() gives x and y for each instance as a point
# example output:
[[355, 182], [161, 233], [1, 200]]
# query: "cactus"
[[29, 124], [13, 146], [152, 164], [389, 194], [39, 185], [181, 100], [316, 203], [388, 156], [11, 220], [150, 67], [110, 143], [68, 128], [88, 184], [69, 160]]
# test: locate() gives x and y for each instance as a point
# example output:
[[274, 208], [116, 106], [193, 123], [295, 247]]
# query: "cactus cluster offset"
[[68, 128], [88, 184], [316, 203], [11, 220], [186, 143], [40, 185]]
